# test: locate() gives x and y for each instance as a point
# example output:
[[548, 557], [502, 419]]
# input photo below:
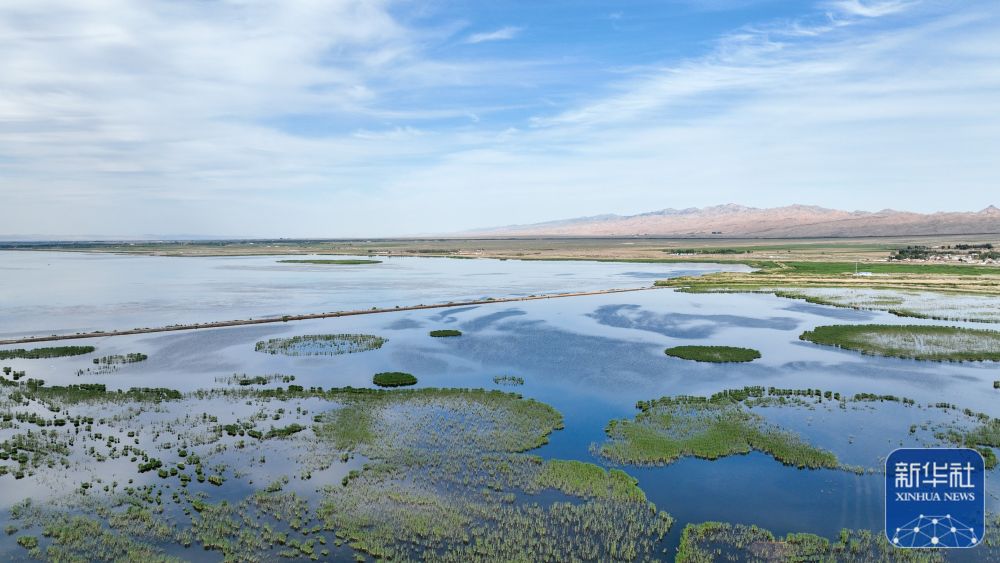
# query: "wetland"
[[550, 430]]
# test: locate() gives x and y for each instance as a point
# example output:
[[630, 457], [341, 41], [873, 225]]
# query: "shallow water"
[[59, 293], [590, 357]]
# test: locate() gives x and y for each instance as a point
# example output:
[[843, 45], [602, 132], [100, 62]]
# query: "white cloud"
[[870, 9], [841, 114], [502, 34], [120, 117]]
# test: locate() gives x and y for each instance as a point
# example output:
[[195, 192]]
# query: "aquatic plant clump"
[[915, 304], [444, 333], [918, 342], [715, 541], [394, 379], [447, 482], [713, 354], [710, 428], [321, 344], [111, 364], [508, 380], [244, 380], [42, 353], [114, 359]]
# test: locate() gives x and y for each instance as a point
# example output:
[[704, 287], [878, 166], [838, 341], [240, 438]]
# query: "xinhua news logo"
[[935, 497]]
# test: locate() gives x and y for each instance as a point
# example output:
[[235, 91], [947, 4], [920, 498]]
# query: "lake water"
[[59, 293], [589, 357]]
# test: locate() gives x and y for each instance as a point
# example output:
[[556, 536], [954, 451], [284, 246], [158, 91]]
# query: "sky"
[[343, 118]]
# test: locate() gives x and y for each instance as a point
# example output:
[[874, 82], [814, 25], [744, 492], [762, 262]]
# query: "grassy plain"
[[645, 249]]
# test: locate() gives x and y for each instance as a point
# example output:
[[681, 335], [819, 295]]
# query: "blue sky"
[[381, 118]]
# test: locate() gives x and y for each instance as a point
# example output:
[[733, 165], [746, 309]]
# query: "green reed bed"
[[244, 380], [43, 353], [707, 431], [589, 481], [394, 379], [725, 424], [321, 344], [445, 333], [714, 354], [447, 478], [717, 541], [448, 474], [447, 482], [706, 427], [111, 364], [918, 342], [131, 358]]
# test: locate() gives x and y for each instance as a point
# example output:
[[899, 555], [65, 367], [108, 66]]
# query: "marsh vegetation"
[[714, 354], [452, 483], [43, 353], [321, 344], [111, 364], [918, 342], [902, 303], [714, 541], [444, 333], [709, 428], [508, 380], [394, 379]]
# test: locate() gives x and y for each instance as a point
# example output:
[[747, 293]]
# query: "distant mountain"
[[793, 221]]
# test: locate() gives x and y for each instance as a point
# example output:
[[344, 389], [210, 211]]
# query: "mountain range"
[[737, 221]]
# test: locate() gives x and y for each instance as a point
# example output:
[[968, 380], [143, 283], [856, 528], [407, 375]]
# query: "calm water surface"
[[59, 292]]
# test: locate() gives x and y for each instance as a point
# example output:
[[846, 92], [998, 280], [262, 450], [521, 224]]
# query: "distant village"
[[967, 253]]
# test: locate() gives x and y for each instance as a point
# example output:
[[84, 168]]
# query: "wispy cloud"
[[754, 58], [502, 34], [870, 9], [839, 113]]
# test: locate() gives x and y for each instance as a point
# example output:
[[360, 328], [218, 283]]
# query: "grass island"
[[445, 333], [394, 379], [714, 354]]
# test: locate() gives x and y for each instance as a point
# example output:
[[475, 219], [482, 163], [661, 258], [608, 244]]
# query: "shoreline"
[[311, 316]]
